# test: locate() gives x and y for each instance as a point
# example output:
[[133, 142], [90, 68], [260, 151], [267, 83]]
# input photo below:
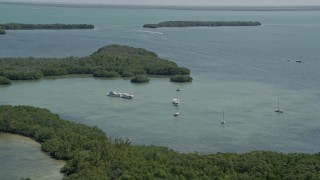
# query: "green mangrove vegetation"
[[140, 79], [4, 81], [181, 78], [104, 73], [90, 154], [108, 61], [2, 31], [57, 26], [201, 23]]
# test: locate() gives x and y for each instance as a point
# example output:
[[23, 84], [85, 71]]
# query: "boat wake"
[[150, 32]]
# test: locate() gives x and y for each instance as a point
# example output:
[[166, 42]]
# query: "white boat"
[[126, 95], [114, 94], [278, 110], [223, 121], [176, 114], [175, 102]]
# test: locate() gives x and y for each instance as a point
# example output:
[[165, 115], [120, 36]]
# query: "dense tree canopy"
[[108, 61], [201, 23], [2, 31], [4, 81], [181, 78], [90, 154], [140, 79]]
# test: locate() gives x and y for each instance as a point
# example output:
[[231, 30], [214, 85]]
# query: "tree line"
[[56, 26], [201, 23], [108, 61], [90, 154]]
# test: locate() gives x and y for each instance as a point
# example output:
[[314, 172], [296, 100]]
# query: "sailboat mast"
[[223, 114]]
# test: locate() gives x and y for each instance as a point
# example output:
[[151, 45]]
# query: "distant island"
[[201, 23], [108, 61], [57, 26]]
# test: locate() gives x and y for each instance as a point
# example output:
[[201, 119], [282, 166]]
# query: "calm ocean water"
[[242, 70]]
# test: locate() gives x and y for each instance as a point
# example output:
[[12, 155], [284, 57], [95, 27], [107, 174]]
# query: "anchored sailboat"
[[278, 110], [223, 121]]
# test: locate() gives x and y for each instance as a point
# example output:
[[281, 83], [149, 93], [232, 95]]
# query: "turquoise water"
[[242, 70]]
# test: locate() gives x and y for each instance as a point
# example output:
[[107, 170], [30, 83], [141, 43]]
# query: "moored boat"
[[126, 96], [278, 110], [175, 102], [114, 94]]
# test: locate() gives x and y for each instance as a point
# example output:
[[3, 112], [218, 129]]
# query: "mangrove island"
[[57, 26], [201, 23], [108, 61]]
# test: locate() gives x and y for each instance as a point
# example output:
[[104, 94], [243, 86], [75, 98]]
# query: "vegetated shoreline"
[[56, 26], [90, 154], [108, 61], [201, 23]]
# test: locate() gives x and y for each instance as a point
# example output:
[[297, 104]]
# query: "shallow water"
[[21, 157]]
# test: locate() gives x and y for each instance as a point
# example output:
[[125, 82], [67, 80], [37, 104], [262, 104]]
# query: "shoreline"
[[16, 140]]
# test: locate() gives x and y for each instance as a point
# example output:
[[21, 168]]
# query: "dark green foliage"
[[49, 71], [108, 61], [86, 149], [20, 26], [4, 81], [127, 74], [23, 75], [181, 78], [201, 23], [140, 79], [2, 31], [89, 154], [104, 73]]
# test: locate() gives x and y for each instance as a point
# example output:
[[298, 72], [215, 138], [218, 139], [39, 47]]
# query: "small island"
[[181, 78], [201, 23], [140, 79], [57, 26], [109, 61]]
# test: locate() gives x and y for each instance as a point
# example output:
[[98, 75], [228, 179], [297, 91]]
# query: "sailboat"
[[278, 110], [223, 121]]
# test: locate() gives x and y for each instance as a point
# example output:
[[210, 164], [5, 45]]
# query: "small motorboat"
[[126, 96], [176, 114], [175, 102], [114, 94], [178, 89]]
